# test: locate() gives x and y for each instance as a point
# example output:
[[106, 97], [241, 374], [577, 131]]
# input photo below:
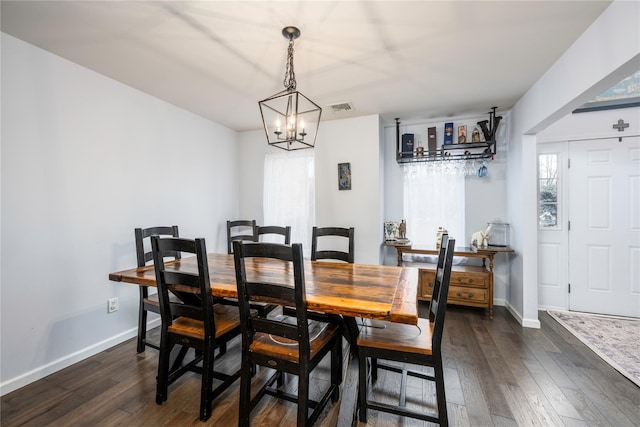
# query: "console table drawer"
[[480, 280], [467, 277], [459, 295]]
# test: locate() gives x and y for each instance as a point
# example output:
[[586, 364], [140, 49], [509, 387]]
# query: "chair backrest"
[[198, 301], [237, 230], [144, 233], [438, 305], [272, 229], [332, 254], [281, 293], [442, 253]]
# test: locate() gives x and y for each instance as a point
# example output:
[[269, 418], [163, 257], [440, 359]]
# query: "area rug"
[[614, 339]]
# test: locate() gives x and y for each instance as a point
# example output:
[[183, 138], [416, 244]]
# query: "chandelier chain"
[[289, 74]]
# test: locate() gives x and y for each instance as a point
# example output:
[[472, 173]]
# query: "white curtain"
[[434, 197], [289, 194]]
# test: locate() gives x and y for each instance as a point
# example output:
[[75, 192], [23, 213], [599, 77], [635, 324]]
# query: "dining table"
[[351, 291]]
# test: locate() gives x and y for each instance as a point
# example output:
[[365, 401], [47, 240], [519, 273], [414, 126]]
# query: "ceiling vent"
[[339, 107]]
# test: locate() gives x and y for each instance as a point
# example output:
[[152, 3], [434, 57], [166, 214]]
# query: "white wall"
[[607, 52], [85, 160], [485, 198], [355, 140]]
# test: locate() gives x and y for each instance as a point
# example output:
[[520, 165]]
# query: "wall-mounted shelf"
[[484, 150], [466, 151]]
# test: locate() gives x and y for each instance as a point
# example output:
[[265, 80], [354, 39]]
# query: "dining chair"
[[332, 254], [328, 232], [261, 230], [287, 344], [149, 302], [196, 323], [238, 230], [419, 345]]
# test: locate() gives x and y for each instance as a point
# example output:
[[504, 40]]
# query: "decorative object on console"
[[344, 176], [479, 239], [402, 231], [290, 119], [462, 134], [439, 234], [499, 235], [390, 231], [448, 133]]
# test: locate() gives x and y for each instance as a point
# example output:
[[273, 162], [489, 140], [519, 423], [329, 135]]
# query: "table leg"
[[351, 331]]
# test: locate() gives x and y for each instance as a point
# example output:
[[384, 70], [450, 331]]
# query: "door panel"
[[604, 240]]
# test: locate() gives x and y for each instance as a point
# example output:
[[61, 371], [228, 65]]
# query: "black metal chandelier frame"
[[284, 114]]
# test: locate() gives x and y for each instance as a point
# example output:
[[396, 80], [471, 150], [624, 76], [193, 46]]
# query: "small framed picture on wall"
[[344, 176]]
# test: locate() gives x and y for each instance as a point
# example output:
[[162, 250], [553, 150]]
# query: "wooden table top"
[[356, 290]]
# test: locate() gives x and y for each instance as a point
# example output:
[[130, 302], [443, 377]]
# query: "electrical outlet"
[[112, 305]]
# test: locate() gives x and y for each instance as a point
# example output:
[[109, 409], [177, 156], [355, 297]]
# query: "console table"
[[469, 285]]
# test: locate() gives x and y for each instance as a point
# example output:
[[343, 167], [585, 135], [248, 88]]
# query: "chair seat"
[[320, 333], [397, 336], [226, 319]]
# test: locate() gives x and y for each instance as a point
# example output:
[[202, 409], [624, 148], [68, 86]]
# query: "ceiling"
[[413, 60]]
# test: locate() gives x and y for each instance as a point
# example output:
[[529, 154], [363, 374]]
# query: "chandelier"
[[290, 119]]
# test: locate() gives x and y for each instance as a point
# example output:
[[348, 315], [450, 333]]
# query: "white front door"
[[604, 238]]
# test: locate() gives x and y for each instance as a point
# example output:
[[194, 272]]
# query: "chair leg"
[[303, 398], [440, 393], [244, 411], [142, 327], [362, 386], [336, 368], [207, 382], [162, 382], [374, 370]]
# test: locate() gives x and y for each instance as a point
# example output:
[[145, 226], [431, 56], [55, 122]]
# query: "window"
[[433, 197], [548, 213], [289, 194]]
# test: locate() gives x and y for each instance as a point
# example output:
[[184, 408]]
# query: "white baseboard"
[[68, 360], [526, 323]]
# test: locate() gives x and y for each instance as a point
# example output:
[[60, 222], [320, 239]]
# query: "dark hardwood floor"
[[497, 373]]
